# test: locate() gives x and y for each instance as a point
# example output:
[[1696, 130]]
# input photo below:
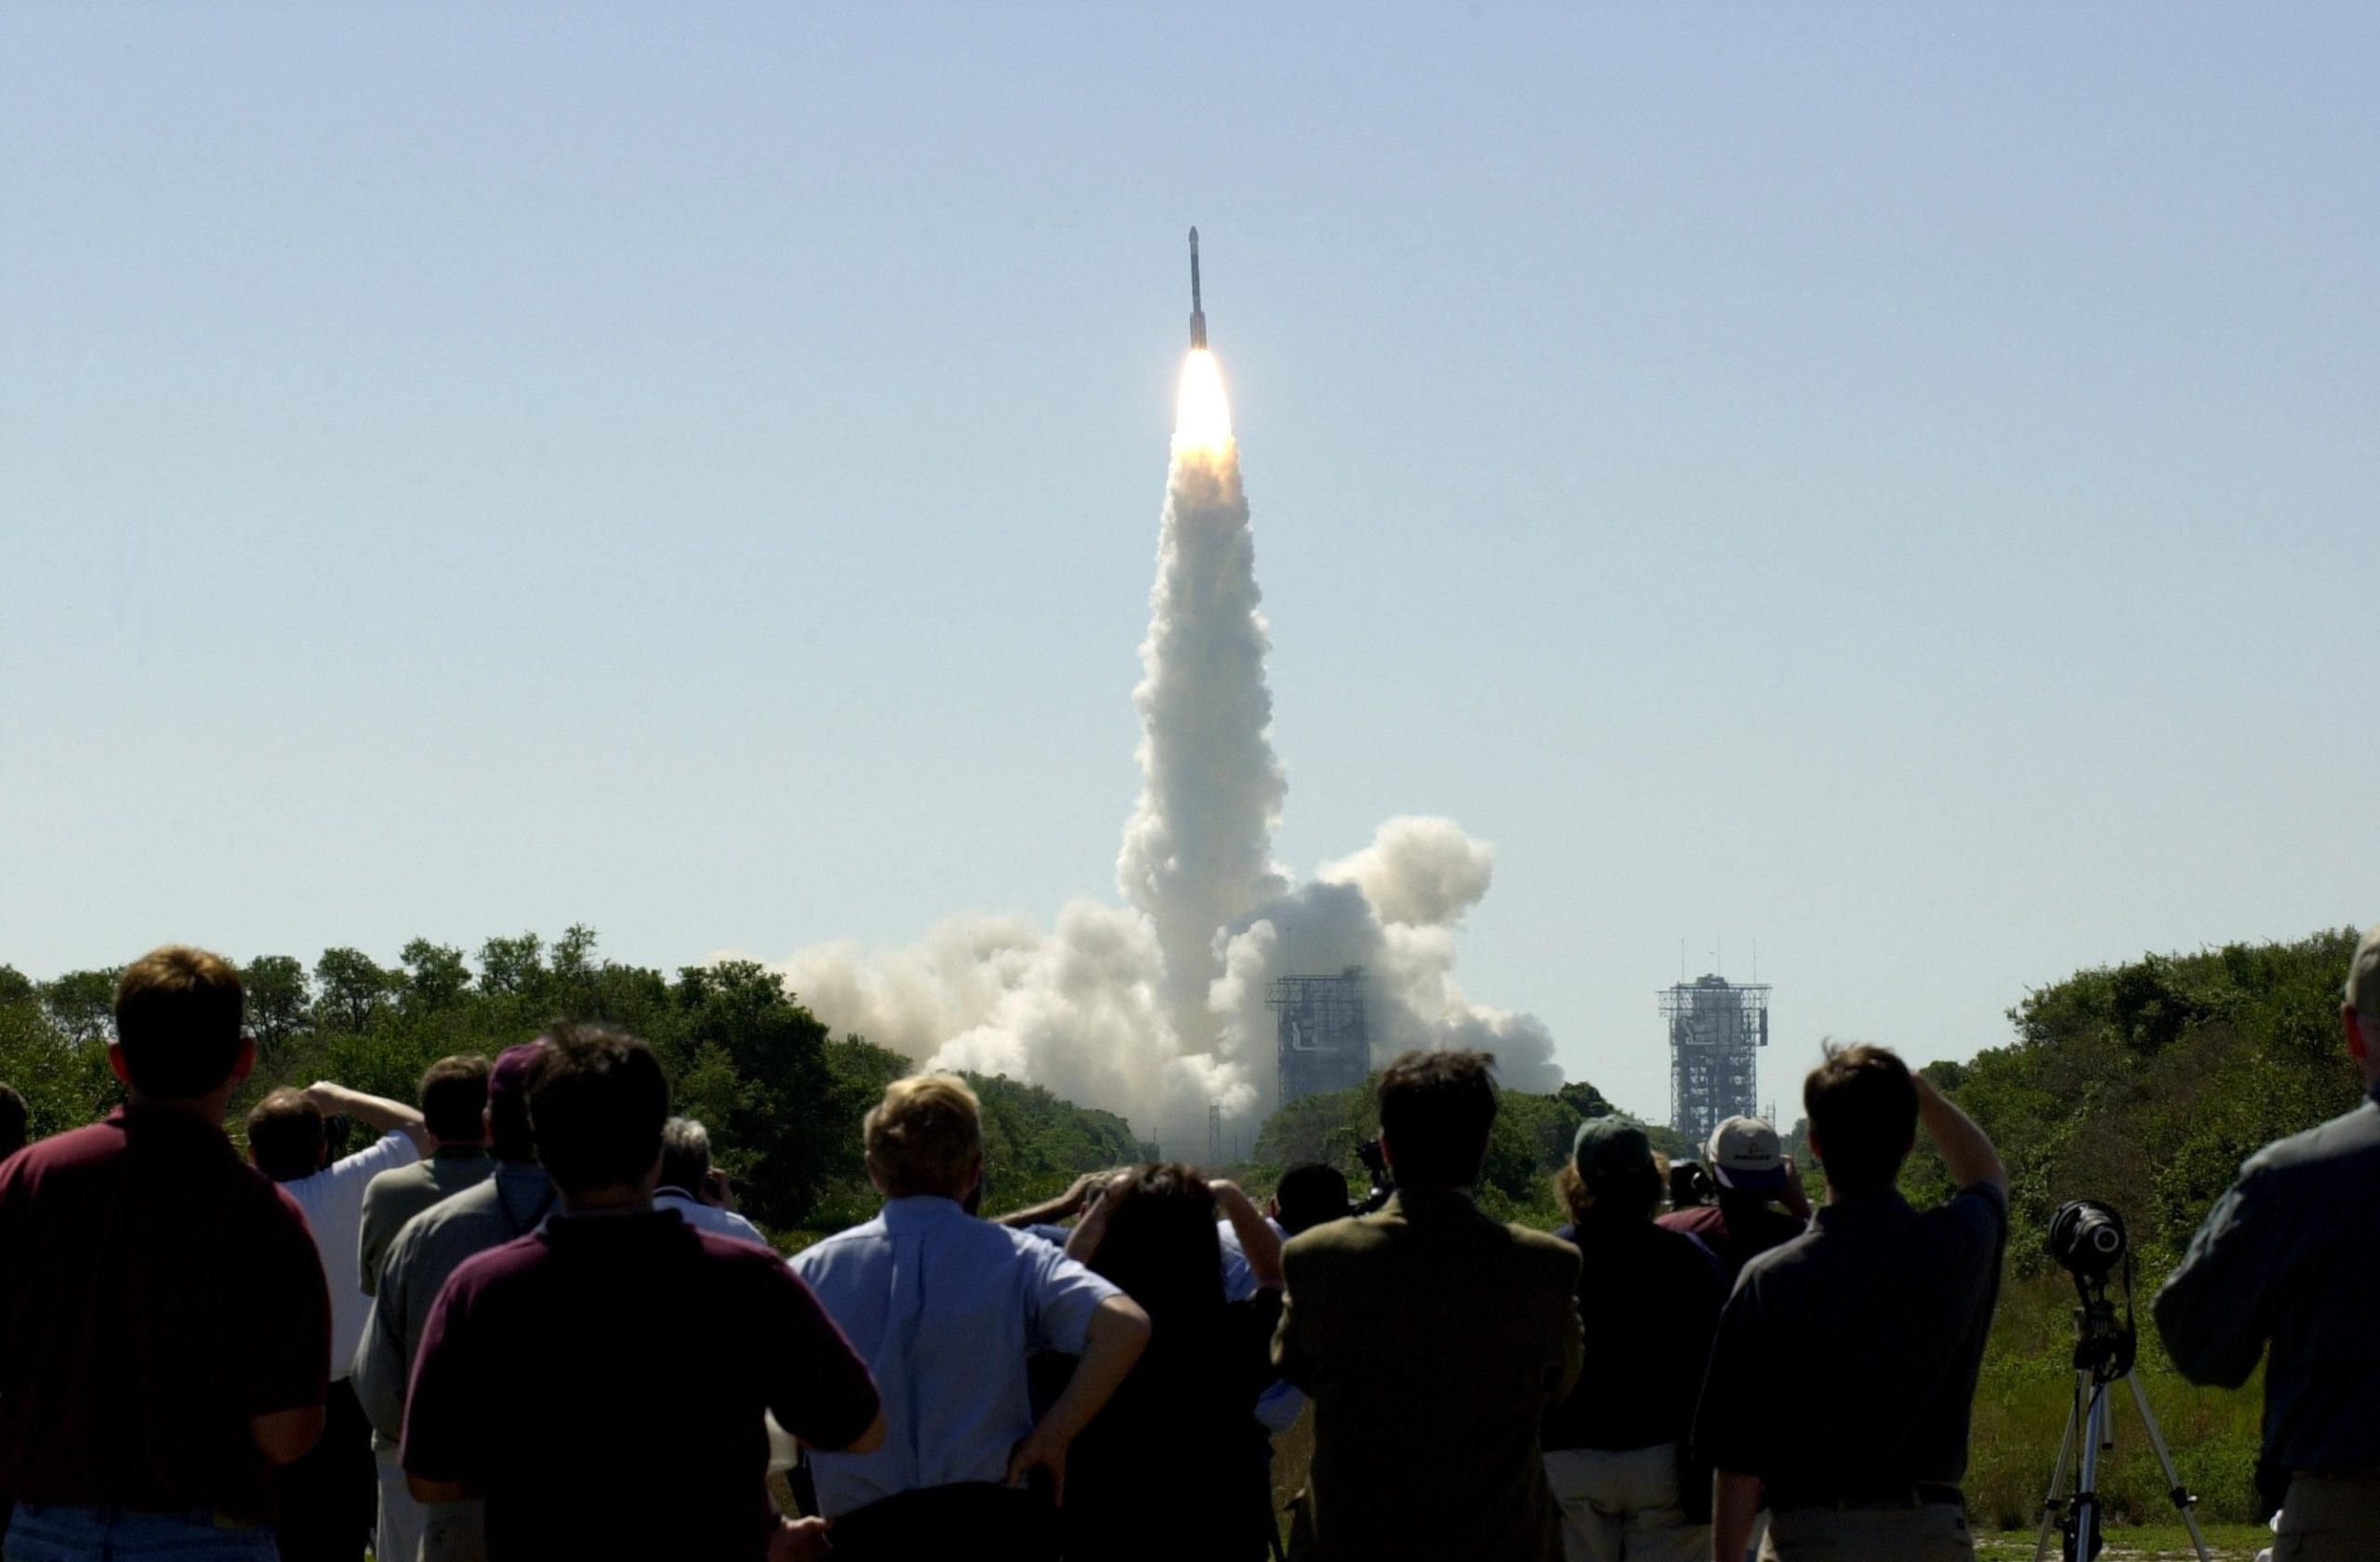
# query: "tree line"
[[782, 1097]]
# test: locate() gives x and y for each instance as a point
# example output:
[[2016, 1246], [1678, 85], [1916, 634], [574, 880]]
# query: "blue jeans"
[[64, 1534]]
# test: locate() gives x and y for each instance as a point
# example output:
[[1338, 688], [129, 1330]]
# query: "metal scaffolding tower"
[[1215, 1133], [1716, 1030], [1323, 1043]]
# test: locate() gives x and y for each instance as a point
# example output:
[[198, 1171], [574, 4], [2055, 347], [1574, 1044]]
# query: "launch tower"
[[1323, 1043], [1716, 1030]]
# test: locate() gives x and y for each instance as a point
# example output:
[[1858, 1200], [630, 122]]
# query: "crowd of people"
[[524, 1323]]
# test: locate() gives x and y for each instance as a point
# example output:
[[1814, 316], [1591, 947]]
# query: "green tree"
[[355, 991], [15, 986], [513, 967], [81, 1003], [280, 1003], [66, 1082], [756, 1062], [435, 976]]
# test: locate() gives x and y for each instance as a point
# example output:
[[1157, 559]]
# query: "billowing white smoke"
[[1199, 849], [1158, 1010]]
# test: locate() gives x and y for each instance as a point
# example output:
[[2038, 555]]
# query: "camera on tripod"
[[2088, 1239], [2089, 1242]]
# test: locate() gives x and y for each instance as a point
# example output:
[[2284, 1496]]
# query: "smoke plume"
[[1158, 1010]]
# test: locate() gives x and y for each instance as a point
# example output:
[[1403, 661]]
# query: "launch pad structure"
[[1323, 1043], [1716, 1030]]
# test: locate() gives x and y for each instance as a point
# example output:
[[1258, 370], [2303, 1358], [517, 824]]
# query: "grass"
[[2026, 1392], [2233, 1542]]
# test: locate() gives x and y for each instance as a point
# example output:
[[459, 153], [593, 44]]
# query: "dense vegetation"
[[782, 1098], [2142, 1085]]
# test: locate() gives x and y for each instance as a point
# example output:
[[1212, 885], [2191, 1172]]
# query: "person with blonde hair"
[[946, 1309]]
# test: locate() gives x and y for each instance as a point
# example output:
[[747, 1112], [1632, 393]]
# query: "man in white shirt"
[[685, 1182], [328, 1498], [946, 1309]]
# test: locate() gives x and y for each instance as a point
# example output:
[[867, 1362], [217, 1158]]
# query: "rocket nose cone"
[[1194, 238]]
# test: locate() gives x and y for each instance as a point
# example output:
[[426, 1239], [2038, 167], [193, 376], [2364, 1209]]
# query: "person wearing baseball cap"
[[1648, 1299], [1754, 1174], [511, 1202], [2289, 1259]]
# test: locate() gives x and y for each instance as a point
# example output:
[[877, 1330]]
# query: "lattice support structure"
[[1323, 1043], [1716, 1030]]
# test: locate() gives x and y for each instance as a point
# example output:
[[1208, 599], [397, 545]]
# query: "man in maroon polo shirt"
[[600, 1382], [164, 1328]]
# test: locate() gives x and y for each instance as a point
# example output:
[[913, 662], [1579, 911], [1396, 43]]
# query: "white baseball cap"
[[1744, 1156]]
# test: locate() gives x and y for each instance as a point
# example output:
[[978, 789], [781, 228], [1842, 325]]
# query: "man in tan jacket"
[[1432, 1339]]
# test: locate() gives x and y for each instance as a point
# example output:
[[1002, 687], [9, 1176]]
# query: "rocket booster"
[[1197, 314]]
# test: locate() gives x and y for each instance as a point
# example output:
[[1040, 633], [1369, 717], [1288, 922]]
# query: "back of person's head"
[[178, 1013], [509, 1133], [16, 1120], [1747, 1161], [1160, 1247], [2363, 986], [1436, 1110], [597, 1100], [1613, 1174], [453, 1099], [1862, 1108], [285, 1135], [925, 1136], [1311, 1195], [685, 1154]]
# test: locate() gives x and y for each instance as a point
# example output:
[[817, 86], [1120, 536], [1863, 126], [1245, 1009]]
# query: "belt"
[[1903, 1494]]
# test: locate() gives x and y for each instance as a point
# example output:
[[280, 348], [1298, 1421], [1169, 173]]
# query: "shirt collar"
[[164, 1122], [1861, 1207], [461, 1152], [1428, 1203], [922, 1209]]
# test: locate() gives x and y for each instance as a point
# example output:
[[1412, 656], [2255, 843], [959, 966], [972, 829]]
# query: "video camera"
[[2087, 1238], [1691, 1185], [1375, 1161], [2089, 1242]]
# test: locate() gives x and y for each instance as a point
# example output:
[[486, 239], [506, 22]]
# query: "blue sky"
[[1890, 482]]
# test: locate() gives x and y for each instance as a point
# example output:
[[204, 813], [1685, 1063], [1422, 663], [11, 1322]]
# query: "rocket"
[[1197, 315]]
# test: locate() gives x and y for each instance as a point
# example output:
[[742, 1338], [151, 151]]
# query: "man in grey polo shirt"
[[512, 1203], [2291, 1255], [1869, 1327]]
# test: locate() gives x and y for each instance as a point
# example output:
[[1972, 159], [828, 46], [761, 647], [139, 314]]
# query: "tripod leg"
[[2054, 1506], [2182, 1500], [2084, 1528]]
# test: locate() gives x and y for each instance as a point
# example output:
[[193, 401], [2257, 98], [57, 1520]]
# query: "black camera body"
[[2088, 1239], [1375, 1161]]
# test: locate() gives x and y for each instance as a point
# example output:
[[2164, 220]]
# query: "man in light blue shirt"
[[946, 1309]]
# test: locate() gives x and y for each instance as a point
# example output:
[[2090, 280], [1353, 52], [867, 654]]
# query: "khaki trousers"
[[1936, 1532], [1623, 1507], [2330, 1519]]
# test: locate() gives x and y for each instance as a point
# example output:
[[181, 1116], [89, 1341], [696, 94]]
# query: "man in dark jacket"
[[1433, 1340], [2291, 1256]]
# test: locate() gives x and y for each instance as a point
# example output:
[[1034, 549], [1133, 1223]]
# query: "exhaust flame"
[[1202, 413]]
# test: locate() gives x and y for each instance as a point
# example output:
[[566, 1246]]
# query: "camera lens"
[[2087, 1238]]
